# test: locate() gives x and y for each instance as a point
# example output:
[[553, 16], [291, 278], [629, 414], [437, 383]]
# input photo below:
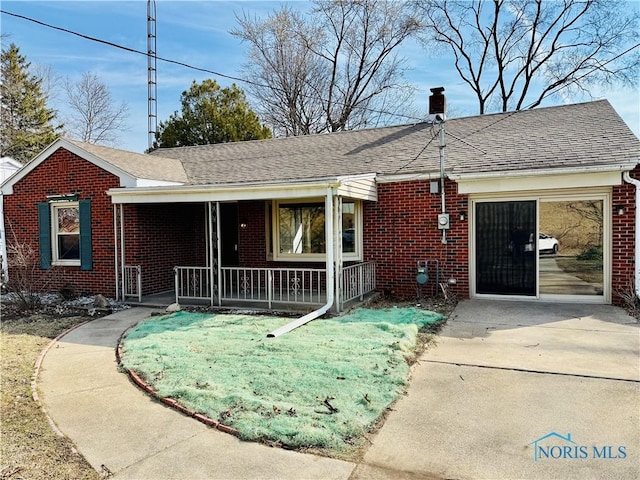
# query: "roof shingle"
[[571, 136]]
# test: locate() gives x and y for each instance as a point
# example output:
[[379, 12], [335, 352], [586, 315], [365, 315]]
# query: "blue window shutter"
[[86, 261], [44, 234]]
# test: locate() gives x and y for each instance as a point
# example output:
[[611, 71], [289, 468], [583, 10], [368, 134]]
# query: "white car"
[[547, 243]]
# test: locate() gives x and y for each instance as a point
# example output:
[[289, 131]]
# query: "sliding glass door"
[[549, 247], [571, 247], [506, 248]]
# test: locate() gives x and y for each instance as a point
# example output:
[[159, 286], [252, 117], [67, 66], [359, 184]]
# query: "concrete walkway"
[[115, 424], [475, 404], [505, 374]]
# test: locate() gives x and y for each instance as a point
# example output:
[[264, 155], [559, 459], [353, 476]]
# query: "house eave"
[[553, 179], [358, 186], [126, 179], [620, 167]]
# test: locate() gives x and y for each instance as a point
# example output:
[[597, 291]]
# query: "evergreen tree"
[[211, 114], [26, 126]]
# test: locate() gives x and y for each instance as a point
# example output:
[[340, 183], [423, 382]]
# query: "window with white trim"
[[65, 233], [299, 230]]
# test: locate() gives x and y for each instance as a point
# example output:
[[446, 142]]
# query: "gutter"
[[539, 172], [627, 178], [330, 274]]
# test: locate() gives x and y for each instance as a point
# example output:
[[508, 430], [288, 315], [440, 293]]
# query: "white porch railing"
[[282, 285], [193, 283], [302, 286], [357, 281], [132, 285]]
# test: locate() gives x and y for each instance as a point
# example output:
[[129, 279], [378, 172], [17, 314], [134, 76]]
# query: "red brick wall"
[[623, 226], [401, 229], [160, 236], [252, 244], [62, 173]]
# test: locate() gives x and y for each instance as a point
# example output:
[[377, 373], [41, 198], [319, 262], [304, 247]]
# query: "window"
[[65, 233], [300, 230]]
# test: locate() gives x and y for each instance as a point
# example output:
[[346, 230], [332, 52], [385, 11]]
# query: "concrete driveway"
[[519, 390]]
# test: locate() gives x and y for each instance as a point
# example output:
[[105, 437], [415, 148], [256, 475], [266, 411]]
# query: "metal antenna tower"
[[152, 73]]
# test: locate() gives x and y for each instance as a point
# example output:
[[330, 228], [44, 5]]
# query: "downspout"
[[627, 178], [330, 257]]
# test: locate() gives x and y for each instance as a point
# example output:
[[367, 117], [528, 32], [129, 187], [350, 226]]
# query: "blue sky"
[[197, 33]]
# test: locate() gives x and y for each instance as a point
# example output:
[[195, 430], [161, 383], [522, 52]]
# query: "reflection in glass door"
[[506, 248], [571, 247]]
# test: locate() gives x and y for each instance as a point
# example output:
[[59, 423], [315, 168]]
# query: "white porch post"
[[337, 245], [213, 251], [122, 258], [115, 250], [331, 255], [209, 260], [219, 251]]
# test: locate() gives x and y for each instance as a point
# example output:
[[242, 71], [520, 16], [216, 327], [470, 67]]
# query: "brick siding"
[[623, 229], [63, 173], [401, 229]]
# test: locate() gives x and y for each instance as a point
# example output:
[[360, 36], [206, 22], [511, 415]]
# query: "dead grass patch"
[[29, 448]]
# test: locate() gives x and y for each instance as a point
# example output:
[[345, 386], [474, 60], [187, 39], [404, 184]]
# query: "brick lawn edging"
[[170, 402]]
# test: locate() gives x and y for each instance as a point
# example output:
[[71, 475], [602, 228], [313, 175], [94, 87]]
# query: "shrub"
[[68, 292], [23, 264], [592, 252], [631, 302]]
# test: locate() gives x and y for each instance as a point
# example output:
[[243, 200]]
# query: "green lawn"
[[321, 386], [587, 270]]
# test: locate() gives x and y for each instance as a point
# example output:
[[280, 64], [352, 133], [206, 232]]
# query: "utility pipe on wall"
[[442, 194], [627, 178], [330, 275]]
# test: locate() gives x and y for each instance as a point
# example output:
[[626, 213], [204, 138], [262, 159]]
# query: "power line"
[[182, 64], [126, 49]]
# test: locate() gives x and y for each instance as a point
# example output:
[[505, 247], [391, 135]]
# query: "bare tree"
[[94, 118], [515, 53], [335, 69]]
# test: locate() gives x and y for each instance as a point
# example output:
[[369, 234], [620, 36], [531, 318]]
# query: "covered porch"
[[295, 247], [277, 289]]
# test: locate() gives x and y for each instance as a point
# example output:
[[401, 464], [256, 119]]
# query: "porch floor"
[[163, 299]]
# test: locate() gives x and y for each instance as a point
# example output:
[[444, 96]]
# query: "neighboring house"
[[8, 166], [253, 221]]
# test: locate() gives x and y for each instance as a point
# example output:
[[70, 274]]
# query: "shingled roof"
[[563, 137], [137, 164]]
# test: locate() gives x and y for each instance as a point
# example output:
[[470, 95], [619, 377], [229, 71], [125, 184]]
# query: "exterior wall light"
[[619, 209], [463, 215]]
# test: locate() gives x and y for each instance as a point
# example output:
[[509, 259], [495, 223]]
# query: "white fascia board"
[[220, 193], [407, 177], [147, 182], [618, 167], [547, 180], [126, 179]]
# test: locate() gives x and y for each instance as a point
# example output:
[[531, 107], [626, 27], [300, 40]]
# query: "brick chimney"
[[437, 102]]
